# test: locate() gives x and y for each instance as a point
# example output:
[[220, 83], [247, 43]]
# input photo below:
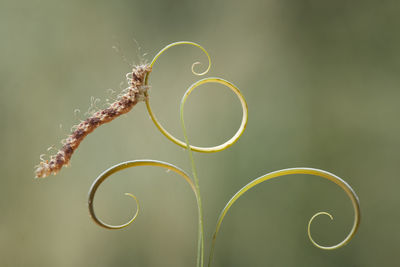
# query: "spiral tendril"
[[119, 167], [309, 231], [201, 73], [213, 149], [191, 88], [182, 43], [324, 174]]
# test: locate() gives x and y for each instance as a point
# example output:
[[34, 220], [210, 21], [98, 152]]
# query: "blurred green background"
[[321, 79]]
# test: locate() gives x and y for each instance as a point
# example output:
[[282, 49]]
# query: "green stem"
[[200, 243]]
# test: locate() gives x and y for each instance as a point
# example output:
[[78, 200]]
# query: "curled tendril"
[[309, 229], [235, 137], [120, 167], [194, 64], [191, 88], [221, 147], [324, 174]]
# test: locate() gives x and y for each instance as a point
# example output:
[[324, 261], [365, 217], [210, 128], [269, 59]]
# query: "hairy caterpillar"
[[125, 102]]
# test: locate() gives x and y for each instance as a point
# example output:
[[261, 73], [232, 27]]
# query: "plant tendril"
[[213, 149], [324, 174], [119, 167], [181, 43], [309, 230], [201, 73], [207, 80]]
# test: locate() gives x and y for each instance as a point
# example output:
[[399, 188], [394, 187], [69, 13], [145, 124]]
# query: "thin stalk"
[[200, 244]]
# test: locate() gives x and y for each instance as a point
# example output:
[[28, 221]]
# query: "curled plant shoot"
[[137, 91]]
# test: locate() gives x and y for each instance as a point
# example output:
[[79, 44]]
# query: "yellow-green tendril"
[[324, 174], [215, 80], [120, 167], [309, 228], [176, 44], [223, 146]]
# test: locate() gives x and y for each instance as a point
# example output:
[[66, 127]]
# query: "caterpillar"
[[125, 102]]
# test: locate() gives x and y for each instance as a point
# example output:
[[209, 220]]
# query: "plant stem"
[[200, 241]]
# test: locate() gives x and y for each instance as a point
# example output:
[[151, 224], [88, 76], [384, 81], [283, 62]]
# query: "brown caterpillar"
[[124, 103]]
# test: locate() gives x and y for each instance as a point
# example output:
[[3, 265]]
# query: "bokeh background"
[[321, 79]]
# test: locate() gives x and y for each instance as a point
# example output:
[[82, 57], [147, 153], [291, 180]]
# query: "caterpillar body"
[[125, 102]]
